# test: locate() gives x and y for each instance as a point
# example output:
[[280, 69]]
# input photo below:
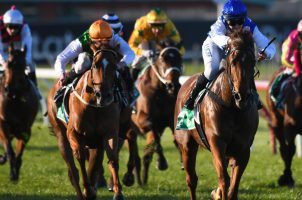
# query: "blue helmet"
[[234, 9]]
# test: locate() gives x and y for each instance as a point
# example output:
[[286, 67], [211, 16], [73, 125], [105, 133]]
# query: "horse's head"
[[169, 65], [103, 76], [14, 72], [240, 66]]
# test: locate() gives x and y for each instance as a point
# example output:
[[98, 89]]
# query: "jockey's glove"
[[147, 53]]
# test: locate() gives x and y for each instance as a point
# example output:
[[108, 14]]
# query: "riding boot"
[[199, 85], [257, 98], [58, 98], [32, 76]]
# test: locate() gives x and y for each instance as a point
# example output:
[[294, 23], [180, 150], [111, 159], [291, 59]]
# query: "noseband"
[[162, 75]]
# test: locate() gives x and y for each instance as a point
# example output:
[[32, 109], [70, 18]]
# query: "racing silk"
[[22, 39], [142, 32], [220, 29], [291, 44], [82, 44]]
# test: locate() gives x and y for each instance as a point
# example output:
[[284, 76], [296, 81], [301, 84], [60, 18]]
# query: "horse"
[[93, 124], [229, 118], [19, 105], [286, 123], [158, 87]]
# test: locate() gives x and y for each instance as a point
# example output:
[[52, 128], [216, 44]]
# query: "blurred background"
[[54, 23]]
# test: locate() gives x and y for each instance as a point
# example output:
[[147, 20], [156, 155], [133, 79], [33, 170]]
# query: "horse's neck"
[[221, 88]]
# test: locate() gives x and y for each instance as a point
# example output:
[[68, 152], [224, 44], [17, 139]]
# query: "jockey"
[[234, 16], [154, 27], [114, 21], [100, 34], [14, 30], [290, 59]]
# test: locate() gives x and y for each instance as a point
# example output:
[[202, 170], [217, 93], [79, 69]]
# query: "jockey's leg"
[[212, 56], [199, 85], [32, 76]]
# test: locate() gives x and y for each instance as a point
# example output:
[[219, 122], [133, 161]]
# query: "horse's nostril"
[[98, 94]]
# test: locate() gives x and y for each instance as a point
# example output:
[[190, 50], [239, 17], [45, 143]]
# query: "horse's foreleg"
[[189, 153], [66, 153], [95, 162], [287, 150], [8, 149], [162, 163], [218, 149], [238, 167], [20, 145], [134, 160], [111, 146], [148, 154]]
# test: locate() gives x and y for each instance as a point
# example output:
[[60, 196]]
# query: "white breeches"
[[212, 56]]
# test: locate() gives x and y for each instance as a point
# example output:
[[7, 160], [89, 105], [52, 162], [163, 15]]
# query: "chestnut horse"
[[93, 125], [18, 109], [286, 123], [229, 119], [158, 87]]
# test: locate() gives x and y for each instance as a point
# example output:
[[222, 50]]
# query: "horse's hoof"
[[128, 179], [215, 194], [286, 181], [102, 182], [118, 197], [162, 164], [91, 195], [3, 159]]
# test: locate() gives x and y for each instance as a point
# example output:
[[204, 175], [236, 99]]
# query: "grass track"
[[44, 175]]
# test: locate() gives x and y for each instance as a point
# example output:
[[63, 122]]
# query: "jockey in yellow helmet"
[[153, 27]]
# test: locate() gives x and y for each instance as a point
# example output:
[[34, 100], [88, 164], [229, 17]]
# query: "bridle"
[[249, 51], [163, 74], [96, 85]]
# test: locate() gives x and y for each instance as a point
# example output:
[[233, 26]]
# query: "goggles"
[[13, 26], [157, 25], [233, 22]]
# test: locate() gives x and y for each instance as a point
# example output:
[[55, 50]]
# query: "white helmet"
[[13, 16]]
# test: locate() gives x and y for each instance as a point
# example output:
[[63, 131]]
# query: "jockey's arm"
[[67, 55], [134, 41], [218, 34], [262, 41], [27, 42], [124, 49]]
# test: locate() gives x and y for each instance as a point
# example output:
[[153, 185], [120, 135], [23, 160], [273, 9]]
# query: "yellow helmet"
[[100, 30], [157, 16]]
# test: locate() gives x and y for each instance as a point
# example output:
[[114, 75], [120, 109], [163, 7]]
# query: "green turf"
[[44, 173]]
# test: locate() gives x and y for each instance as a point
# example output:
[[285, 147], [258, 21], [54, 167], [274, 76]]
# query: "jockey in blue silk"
[[14, 30], [234, 16]]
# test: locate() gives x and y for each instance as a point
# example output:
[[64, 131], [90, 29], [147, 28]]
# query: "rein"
[[97, 93]]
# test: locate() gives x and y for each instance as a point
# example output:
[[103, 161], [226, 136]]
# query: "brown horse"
[[286, 123], [158, 87], [93, 125], [18, 108], [229, 119]]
